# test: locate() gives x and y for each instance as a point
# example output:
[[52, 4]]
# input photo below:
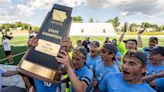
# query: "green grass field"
[[19, 45]]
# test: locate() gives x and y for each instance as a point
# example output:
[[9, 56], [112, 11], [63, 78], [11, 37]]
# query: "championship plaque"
[[40, 62]]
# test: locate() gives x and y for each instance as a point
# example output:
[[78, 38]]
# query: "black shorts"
[[8, 53]]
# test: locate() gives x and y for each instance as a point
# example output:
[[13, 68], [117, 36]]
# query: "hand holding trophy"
[[40, 61]]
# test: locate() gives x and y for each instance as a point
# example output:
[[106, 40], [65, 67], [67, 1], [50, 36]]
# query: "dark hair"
[[95, 43], [133, 40], [139, 55], [153, 39], [79, 41]]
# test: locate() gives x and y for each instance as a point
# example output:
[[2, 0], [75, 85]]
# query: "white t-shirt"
[[6, 45], [1, 72]]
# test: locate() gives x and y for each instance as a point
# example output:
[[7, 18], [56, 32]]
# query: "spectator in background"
[[114, 42], [86, 43], [107, 40], [7, 48], [79, 44]]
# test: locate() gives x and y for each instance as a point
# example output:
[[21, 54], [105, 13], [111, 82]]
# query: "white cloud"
[[72, 3], [132, 7], [144, 7], [42, 3], [12, 12], [5, 2]]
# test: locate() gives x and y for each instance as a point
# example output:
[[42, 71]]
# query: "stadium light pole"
[[123, 12]]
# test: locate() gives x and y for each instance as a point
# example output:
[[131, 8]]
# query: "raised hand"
[[141, 31], [125, 26], [67, 44]]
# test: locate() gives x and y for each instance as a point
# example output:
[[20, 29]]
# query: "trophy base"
[[39, 72]]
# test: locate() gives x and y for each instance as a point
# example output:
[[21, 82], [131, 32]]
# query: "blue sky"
[[133, 11]]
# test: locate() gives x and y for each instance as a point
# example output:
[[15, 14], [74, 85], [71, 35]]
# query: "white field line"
[[13, 56]]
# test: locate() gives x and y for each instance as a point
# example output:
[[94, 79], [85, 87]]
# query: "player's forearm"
[[10, 73], [27, 82], [140, 41], [121, 37], [152, 77], [74, 80]]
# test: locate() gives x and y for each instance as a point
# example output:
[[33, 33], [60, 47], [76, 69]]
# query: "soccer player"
[[134, 66], [93, 55], [155, 66], [80, 76], [106, 65], [153, 42], [86, 43]]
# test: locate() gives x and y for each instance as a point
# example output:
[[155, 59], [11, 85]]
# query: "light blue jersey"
[[160, 86], [42, 86], [102, 70], [151, 69], [146, 50], [91, 62], [118, 54], [84, 74], [114, 82], [159, 81]]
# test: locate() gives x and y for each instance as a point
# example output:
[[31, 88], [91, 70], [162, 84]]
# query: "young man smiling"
[[106, 65], [80, 76], [134, 66]]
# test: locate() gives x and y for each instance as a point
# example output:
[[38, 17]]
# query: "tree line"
[[133, 27], [14, 26]]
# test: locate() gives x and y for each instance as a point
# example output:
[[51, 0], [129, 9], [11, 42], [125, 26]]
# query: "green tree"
[[6, 26], [77, 19], [115, 22], [0, 28], [26, 26], [147, 25], [162, 27], [132, 27], [18, 24], [35, 28]]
